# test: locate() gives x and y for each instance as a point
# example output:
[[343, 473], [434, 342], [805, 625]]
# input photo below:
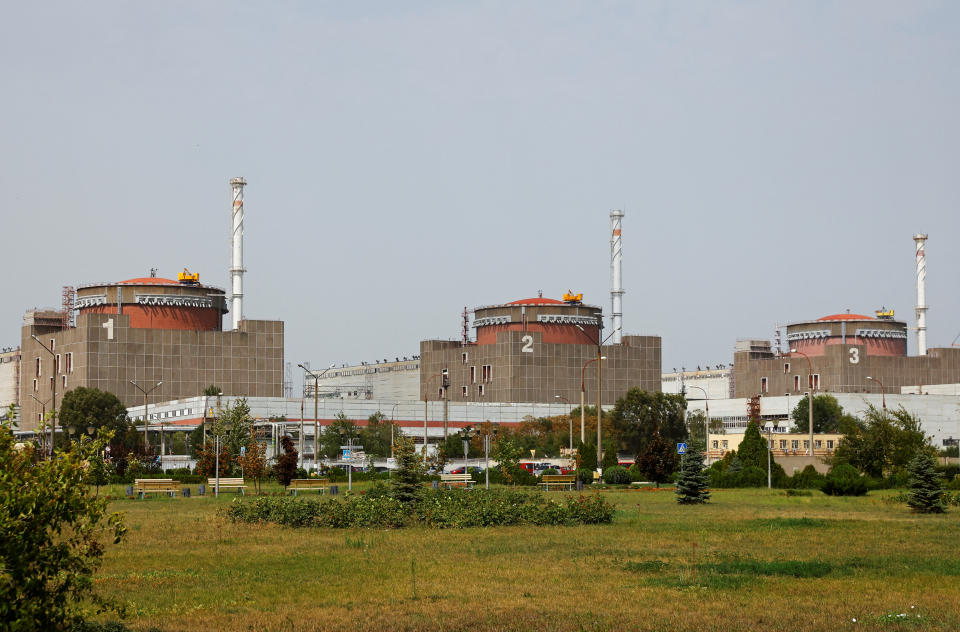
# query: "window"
[[56, 366], [794, 444], [463, 391], [829, 444], [64, 381], [439, 393], [716, 444], [796, 382], [51, 383], [463, 358], [473, 375], [806, 444], [816, 381], [817, 444], [486, 373], [69, 367], [763, 385], [39, 368], [783, 444], [480, 389], [36, 386], [39, 418], [53, 344], [786, 367]]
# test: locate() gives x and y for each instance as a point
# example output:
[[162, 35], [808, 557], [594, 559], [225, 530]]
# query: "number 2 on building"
[[527, 344]]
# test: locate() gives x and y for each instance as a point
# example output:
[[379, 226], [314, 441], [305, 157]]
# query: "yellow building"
[[781, 444]]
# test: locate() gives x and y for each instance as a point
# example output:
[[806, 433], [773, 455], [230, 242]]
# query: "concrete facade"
[[843, 368], [396, 381], [103, 351], [522, 367], [10, 367]]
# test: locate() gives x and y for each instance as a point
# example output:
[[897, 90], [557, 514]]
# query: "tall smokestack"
[[616, 278], [921, 241], [236, 253]]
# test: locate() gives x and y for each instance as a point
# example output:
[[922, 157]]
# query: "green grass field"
[[750, 560]]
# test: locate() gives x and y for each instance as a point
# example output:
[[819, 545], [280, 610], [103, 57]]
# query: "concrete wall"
[[9, 367]]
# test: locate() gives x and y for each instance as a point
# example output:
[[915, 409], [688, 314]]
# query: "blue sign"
[[681, 448], [243, 451]]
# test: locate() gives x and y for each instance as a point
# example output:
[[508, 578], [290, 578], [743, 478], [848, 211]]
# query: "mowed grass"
[[749, 560]]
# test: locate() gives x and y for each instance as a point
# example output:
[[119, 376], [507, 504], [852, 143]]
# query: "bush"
[[616, 475], [844, 480], [549, 472], [440, 509], [585, 476], [955, 483], [752, 476], [807, 478]]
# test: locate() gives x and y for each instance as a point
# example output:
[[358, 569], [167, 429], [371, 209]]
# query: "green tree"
[[85, 407], [639, 414], [926, 485], [405, 482], [658, 460], [586, 456], [336, 434], [233, 426], [827, 414], [375, 437], [753, 448], [50, 536], [883, 443], [507, 453], [212, 391], [692, 482], [9, 418]]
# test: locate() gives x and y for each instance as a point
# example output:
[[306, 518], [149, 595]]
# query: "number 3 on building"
[[527, 344], [854, 356]]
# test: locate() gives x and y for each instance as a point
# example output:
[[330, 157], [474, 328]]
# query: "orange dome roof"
[[847, 317], [149, 281], [537, 301]]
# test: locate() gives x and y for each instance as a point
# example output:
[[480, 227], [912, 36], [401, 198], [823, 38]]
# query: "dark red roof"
[[149, 281], [537, 301], [847, 317]]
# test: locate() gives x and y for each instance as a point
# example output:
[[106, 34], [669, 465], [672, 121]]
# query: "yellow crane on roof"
[[572, 298], [188, 277]]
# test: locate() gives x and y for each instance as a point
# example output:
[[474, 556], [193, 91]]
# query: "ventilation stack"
[[616, 278], [236, 253], [921, 240]]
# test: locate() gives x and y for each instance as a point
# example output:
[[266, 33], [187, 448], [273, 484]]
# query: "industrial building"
[[10, 367], [848, 353], [392, 380], [715, 383], [164, 334], [537, 350]]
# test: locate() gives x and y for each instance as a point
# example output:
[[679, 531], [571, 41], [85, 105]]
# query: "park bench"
[[233, 483], [307, 483], [144, 486], [456, 480], [558, 481]]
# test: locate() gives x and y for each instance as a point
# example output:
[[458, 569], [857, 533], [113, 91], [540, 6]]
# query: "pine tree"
[[405, 481], [693, 480], [926, 487], [753, 448]]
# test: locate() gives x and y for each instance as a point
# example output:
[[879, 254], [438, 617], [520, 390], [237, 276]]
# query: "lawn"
[[749, 560]]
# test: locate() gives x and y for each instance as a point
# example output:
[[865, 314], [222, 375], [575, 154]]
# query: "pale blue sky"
[[408, 159]]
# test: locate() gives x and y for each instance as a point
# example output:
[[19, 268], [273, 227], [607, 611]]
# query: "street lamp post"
[[706, 428], [43, 414], [146, 410], [810, 382], [564, 399], [599, 357], [53, 418], [883, 394], [392, 424], [467, 435], [316, 422], [583, 406], [769, 427]]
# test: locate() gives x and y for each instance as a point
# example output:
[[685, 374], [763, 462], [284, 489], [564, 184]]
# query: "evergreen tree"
[[587, 456], [753, 448], [405, 482], [926, 487], [693, 480]]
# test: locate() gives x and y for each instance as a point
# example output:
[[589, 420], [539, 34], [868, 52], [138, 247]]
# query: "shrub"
[[585, 476], [844, 480], [955, 483], [616, 475], [808, 478], [752, 476], [441, 509], [549, 472]]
